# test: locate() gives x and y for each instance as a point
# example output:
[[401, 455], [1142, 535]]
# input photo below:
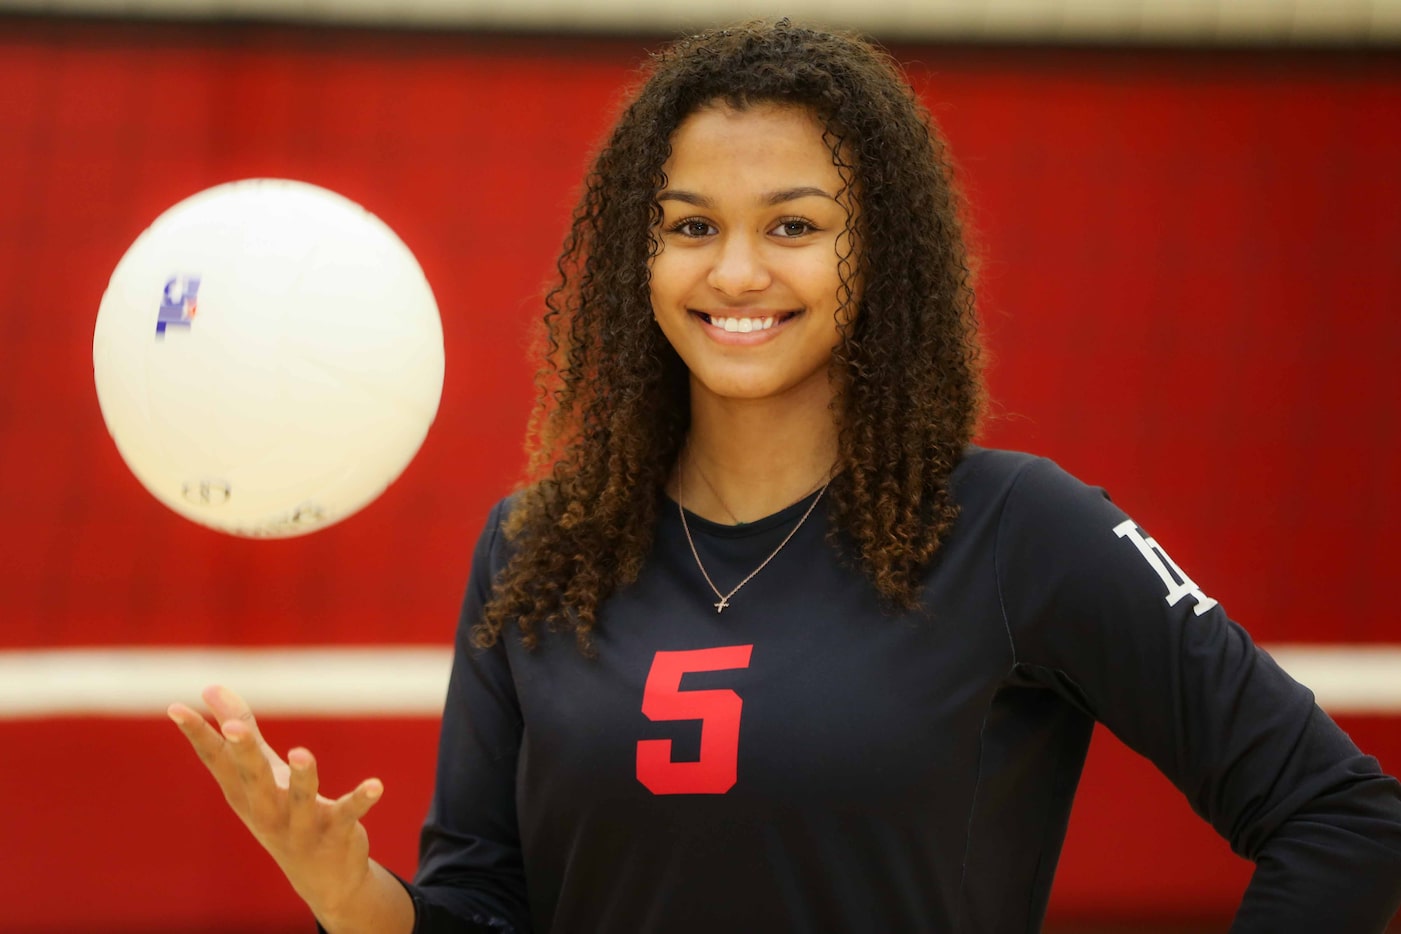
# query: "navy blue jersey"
[[809, 761]]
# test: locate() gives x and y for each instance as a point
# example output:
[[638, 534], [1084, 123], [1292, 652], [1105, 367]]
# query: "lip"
[[784, 318]]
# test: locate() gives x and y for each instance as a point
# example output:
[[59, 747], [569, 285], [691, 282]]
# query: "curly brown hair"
[[613, 397]]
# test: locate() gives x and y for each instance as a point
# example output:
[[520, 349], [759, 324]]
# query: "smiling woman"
[[699, 206], [762, 373], [746, 285]]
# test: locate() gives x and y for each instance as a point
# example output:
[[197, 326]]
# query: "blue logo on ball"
[[178, 303]]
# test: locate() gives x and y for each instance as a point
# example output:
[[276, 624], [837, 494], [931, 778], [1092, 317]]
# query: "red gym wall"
[[1190, 276]]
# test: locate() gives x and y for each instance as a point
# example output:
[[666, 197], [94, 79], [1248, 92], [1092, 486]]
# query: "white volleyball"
[[268, 357]]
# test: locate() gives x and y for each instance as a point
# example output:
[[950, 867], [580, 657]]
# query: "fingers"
[[259, 785], [233, 754], [228, 706], [207, 742], [301, 791], [309, 815], [350, 807], [265, 791], [237, 723]]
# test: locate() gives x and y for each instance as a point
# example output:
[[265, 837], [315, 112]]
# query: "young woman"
[[766, 644]]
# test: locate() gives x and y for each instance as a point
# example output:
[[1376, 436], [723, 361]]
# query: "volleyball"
[[268, 358]]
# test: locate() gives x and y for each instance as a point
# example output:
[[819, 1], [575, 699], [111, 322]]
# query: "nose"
[[739, 266]]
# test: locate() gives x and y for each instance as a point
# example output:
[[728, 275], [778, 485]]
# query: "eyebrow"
[[772, 198]]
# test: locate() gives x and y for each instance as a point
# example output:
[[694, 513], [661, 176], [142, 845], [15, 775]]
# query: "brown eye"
[[692, 227], [793, 227]]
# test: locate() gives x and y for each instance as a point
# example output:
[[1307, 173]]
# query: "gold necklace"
[[725, 597], [716, 493]]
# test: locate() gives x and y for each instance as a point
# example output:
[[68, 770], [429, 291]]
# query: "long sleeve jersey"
[[809, 760]]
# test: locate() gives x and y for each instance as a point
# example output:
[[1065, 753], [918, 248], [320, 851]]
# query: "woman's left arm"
[[1098, 609]]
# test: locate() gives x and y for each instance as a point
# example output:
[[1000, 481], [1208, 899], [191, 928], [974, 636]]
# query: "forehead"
[[757, 147]]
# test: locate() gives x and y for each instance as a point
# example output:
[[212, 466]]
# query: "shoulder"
[[1071, 565], [493, 542], [1026, 487], [1045, 529]]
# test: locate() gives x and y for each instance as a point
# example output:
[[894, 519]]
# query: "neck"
[[746, 460]]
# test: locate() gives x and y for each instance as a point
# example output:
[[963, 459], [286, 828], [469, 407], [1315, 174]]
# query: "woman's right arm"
[[471, 875], [471, 869], [319, 843]]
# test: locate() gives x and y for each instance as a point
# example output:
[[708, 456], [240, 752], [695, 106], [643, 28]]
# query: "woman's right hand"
[[319, 843]]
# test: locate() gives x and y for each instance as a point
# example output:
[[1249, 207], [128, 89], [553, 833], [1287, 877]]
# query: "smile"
[[745, 325]]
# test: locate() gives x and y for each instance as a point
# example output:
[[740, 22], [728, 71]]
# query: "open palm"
[[319, 843]]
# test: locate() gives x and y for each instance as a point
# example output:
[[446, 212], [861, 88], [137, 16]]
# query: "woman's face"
[[745, 285]]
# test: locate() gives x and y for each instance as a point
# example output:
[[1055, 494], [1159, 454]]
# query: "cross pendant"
[[724, 602]]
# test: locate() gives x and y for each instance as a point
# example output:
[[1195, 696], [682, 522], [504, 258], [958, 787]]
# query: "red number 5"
[[714, 772]]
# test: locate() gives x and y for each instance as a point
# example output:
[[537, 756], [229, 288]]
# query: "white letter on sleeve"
[[1178, 584]]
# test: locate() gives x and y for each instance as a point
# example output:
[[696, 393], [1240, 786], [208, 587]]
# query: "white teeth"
[[741, 325]]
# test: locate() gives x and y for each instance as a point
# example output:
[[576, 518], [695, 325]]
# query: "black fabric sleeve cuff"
[[433, 919]]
